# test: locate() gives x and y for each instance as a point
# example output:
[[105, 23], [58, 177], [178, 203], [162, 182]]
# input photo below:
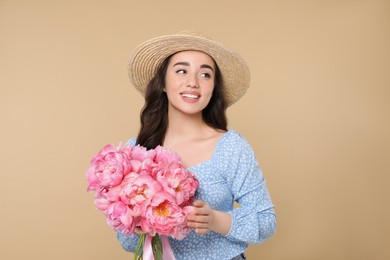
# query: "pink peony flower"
[[102, 203], [105, 197], [139, 192], [129, 222], [114, 214], [182, 230], [178, 181], [140, 153], [108, 167], [164, 216], [136, 187], [166, 155]]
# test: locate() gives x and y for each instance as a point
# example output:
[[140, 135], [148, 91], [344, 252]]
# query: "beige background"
[[317, 116]]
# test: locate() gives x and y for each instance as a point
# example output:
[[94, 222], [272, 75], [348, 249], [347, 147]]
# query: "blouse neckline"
[[213, 154]]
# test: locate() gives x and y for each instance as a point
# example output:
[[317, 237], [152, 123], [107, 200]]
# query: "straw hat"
[[148, 56]]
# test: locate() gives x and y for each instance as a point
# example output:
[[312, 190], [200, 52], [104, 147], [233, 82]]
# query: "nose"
[[192, 82]]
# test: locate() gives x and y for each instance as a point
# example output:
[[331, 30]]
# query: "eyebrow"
[[188, 64]]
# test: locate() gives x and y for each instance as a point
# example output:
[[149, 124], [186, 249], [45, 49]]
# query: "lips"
[[190, 95]]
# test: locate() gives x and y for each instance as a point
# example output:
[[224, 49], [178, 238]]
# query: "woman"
[[188, 82]]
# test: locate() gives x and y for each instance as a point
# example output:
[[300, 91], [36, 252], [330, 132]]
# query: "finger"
[[205, 211], [198, 219], [198, 225], [198, 212], [195, 224], [201, 208], [201, 231], [199, 204]]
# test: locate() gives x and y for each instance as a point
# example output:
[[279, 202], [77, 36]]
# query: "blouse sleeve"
[[131, 141], [128, 242], [254, 220]]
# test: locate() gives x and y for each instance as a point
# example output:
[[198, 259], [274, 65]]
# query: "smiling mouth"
[[190, 96]]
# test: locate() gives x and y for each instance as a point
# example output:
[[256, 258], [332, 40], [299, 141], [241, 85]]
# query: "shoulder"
[[233, 138], [237, 155], [233, 142]]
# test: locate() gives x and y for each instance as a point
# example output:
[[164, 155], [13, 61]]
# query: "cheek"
[[210, 90], [172, 81]]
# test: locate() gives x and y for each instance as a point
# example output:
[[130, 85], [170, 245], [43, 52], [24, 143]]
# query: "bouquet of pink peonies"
[[148, 189]]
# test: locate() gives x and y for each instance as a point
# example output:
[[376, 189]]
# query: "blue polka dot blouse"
[[231, 175]]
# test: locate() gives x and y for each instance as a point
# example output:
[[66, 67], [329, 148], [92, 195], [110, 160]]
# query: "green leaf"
[[157, 247]]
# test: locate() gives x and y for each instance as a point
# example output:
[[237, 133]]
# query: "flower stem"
[[140, 247], [156, 247]]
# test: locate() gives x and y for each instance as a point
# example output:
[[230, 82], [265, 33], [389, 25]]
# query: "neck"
[[183, 126]]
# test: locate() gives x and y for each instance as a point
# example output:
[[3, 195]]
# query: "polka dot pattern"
[[232, 174]]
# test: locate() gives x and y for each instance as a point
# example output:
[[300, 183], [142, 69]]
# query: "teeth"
[[189, 96]]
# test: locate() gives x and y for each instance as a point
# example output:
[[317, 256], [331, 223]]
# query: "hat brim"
[[148, 56]]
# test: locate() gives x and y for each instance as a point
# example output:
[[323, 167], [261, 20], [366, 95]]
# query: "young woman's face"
[[189, 81]]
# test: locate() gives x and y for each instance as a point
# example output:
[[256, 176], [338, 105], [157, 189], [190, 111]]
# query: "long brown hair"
[[154, 114]]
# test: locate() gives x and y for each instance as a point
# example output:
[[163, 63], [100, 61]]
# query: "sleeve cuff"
[[228, 235]]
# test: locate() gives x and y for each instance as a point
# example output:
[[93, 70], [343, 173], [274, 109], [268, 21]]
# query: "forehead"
[[193, 57]]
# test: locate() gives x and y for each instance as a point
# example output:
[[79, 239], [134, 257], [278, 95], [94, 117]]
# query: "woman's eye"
[[180, 71], [205, 75]]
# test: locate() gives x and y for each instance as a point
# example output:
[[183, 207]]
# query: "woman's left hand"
[[200, 218], [203, 219]]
